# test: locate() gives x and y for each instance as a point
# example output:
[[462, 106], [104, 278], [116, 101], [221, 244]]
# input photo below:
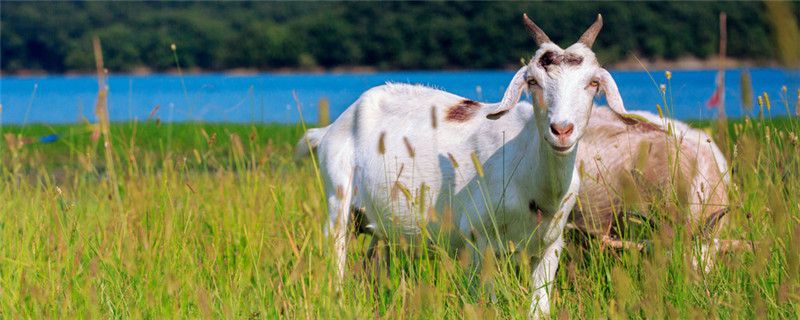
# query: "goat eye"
[[594, 83], [532, 82]]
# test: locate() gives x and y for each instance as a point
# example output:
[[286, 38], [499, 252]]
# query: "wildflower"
[[663, 88], [668, 74], [173, 47]]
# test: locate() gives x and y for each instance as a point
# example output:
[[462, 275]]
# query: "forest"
[[55, 37]]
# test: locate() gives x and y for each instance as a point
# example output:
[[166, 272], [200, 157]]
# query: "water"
[[269, 97]]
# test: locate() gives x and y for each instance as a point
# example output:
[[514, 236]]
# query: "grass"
[[217, 221]]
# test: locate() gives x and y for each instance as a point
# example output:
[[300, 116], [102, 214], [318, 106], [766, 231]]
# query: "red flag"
[[715, 97]]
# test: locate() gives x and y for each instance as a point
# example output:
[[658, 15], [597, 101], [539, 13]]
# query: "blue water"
[[269, 97]]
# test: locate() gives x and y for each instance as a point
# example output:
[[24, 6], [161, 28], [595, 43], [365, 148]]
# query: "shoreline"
[[629, 64]]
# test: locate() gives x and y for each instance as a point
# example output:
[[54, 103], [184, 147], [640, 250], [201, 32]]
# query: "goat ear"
[[613, 97], [511, 97]]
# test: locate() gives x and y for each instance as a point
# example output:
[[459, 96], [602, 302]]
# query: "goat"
[[648, 159], [523, 182]]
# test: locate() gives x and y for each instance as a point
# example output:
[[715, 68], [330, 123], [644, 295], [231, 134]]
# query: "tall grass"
[[231, 228]]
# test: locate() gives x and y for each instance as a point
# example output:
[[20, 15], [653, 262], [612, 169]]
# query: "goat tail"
[[309, 142]]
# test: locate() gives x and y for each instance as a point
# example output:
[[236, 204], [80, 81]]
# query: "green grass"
[[227, 229]]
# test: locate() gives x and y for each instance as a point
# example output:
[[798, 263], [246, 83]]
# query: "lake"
[[269, 97]]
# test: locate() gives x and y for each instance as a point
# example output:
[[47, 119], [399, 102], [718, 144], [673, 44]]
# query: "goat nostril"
[[554, 129], [559, 130], [569, 128]]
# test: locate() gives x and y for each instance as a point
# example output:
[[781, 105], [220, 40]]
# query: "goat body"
[[386, 146], [634, 165]]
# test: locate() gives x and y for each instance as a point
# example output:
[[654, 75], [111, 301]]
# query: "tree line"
[[56, 36]]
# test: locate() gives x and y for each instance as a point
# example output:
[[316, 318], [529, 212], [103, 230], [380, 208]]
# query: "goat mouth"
[[560, 149]]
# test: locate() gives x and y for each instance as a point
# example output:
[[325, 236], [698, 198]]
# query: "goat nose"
[[561, 131]]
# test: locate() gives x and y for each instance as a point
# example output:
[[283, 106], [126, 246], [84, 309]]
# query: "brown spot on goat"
[[550, 58], [462, 111], [573, 59]]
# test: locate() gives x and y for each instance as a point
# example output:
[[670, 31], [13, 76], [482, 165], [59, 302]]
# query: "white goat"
[[500, 174], [641, 163]]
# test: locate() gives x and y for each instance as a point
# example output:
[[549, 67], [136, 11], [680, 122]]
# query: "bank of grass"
[[217, 221]]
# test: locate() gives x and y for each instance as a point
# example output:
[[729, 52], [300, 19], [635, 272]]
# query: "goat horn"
[[588, 37], [536, 32]]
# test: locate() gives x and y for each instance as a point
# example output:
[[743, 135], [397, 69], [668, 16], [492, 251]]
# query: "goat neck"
[[548, 174]]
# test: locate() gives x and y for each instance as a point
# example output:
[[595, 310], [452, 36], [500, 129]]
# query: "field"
[[217, 221]]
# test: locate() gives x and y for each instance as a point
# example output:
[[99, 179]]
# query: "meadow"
[[195, 220]]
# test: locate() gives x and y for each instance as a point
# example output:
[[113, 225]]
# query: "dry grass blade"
[[101, 110]]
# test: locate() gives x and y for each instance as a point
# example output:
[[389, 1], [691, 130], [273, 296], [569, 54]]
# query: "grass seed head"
[[434, 123], [403, 189], [253, 134], [477, 164], [797, 104], [382, 143], [409, 147], [452, 160], [236, 145]]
